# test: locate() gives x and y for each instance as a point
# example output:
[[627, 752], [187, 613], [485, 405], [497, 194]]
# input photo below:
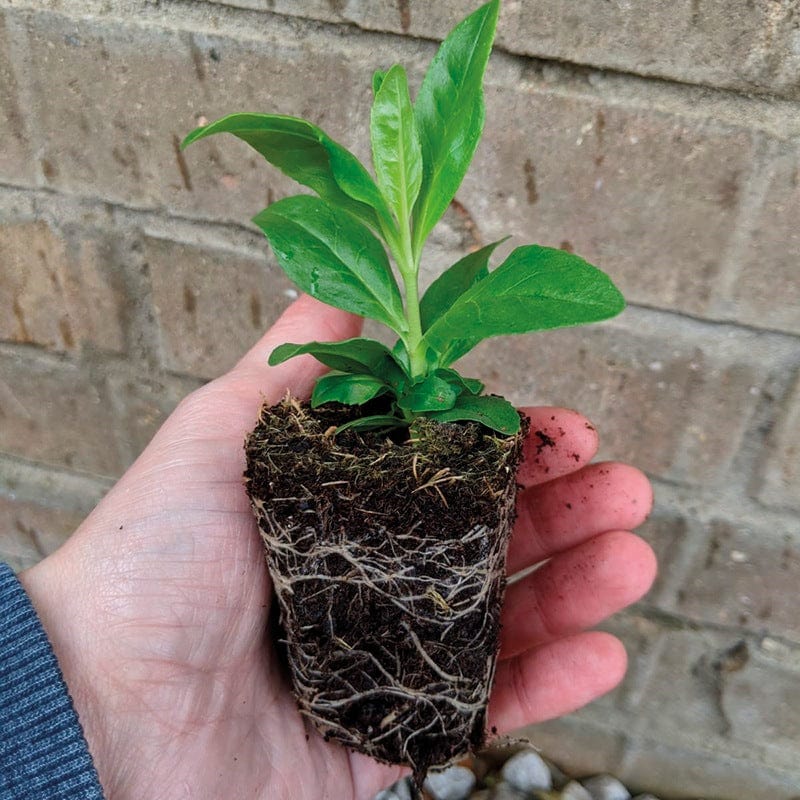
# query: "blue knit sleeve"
[[43, 753]]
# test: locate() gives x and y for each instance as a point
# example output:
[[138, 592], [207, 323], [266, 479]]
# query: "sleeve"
[[43, 752]]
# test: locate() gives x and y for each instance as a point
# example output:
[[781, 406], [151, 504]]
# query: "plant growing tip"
[[339, 246]]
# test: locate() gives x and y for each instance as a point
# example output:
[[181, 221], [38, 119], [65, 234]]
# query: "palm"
[[172, 625]]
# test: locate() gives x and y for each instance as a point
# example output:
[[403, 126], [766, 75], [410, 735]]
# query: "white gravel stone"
[[606, 787], [397, 791], [527, 772], [574, 791], [453, 783], [645, 797]]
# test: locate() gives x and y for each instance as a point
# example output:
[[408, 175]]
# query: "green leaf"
[[373, 423], [357, 356], [343, 387], [535, 288], [430, 394], [396, 152], [493, 412], [307, 154], [377, 80], [333, 257], [450, 114], [470, 385], [453, 282]]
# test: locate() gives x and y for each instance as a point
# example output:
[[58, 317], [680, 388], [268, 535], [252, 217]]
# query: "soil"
[[388, 560]]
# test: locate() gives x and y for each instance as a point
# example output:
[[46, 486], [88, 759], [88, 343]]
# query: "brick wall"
[[659, 139]]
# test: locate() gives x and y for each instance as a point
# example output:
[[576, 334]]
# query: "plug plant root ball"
[[388, 561]]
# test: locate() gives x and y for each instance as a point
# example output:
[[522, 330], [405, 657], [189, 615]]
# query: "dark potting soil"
[[388, 561]]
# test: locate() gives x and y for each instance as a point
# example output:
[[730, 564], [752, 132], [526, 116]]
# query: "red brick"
[[648, 197], [666, 534], [677, 770], [52, 412], [661, 401], [16, 164], [211, 305], [766, 293], [780, 474], [716, 699], [134, 92], [716, 43], [579, 746], [60, 294], [745, 579], [31, 531]]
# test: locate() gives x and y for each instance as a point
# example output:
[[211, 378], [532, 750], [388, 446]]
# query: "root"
[[389, 574]]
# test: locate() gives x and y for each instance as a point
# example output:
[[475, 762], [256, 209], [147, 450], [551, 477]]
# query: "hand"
[[158, 605]]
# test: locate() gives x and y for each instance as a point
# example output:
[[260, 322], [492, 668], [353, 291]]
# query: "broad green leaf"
[[333, 257], [343, 387], [373, 423], [357, 356], [453, 282], [471, 385], [450, 113], [493, 412], [430, 394], [534, 289], [400, 354], [377, 80], [307, 154], [396, 152]]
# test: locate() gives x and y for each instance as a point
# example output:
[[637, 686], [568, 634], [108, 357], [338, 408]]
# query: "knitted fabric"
[[43, 752]]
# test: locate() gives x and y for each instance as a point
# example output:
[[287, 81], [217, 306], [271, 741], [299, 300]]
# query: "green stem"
[[409, 270]]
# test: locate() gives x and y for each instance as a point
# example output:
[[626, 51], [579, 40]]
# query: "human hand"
[[158, 605]]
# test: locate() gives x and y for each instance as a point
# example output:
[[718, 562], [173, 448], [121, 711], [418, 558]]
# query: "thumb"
[[305, 320]]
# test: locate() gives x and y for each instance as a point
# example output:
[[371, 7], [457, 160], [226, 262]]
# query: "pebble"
[[645, 797], [574, 791], [606, 787], [397, 791], [527, 772], [453, 783]]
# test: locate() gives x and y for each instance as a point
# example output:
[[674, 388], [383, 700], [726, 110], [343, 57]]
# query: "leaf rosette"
[[347, 245]]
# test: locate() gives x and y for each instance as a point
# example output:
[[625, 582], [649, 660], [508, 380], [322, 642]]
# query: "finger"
[[564, 512], [305, 320], [560, 441], [555, 679], [575, 590]]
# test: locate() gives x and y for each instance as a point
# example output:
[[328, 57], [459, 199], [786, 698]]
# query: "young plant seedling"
[[340, 246], [387, 553]]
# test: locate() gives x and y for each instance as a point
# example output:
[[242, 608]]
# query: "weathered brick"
[[780, 475], [31, 531], [744, 579], [60, 293], [614, 185], [211, 305], [691, 698], [640, 636], [666, 534], [767, 290], [671, 770], [51, 411], [662, 401], [577, 745], [740, 45], [15, 154], [147, 87], [141, 404]]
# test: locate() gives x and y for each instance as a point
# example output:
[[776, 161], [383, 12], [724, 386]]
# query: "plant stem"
[[408, 265]]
